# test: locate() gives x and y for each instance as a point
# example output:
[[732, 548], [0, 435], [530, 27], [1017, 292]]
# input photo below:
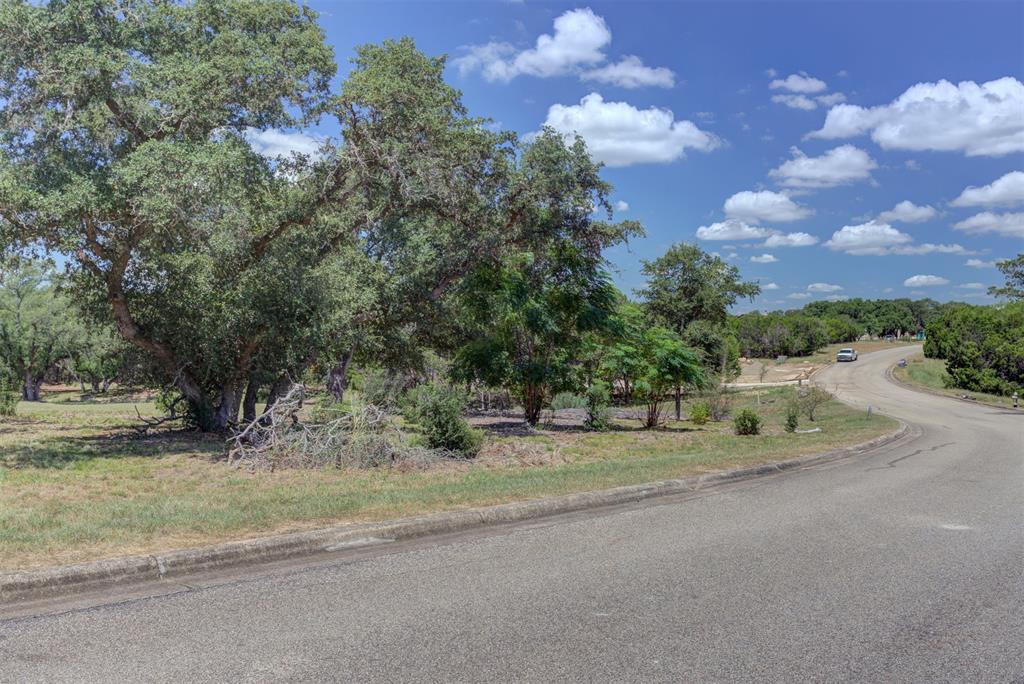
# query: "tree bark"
[[679, 403], [337, 379], [249, 403], [226, 414], [533, 404]]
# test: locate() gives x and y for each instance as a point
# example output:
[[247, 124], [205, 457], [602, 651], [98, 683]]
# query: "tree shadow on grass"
[[61, 452]]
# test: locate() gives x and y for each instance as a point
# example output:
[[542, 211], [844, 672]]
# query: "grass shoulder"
[[77, 483], [931, 375]]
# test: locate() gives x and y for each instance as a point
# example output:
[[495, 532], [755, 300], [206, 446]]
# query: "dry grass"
[[76, 484]]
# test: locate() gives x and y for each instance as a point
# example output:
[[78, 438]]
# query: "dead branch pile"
[[361, 437]]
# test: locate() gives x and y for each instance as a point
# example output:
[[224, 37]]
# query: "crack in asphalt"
[[892, 463]]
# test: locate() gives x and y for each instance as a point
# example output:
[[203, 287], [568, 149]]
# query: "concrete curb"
[[71, 579]]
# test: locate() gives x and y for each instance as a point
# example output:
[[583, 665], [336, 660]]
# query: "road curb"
[[70, 579]]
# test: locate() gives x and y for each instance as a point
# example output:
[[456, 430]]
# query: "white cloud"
[[831, 99], [764, 205], [799, 83], [771, 73], [925, 281], [799, 295], [578, 40], [275, 143], [807, 103], [974, 119], [1004, 191], [869, 238], [619, 134], [908, 212], [791, 240], [978, 263], [837, 298], [1009, 225], [824, 287], [769, 286], [732, 229], [630, 72], [972, 286], [764, 259], [838, 166], [912, 165], [795, 102], [622, 206], [929, 248]]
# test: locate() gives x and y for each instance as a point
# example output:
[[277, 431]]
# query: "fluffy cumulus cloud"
[[966, 117], [838, 166], [631, 72], [619, 134], [825, 288], [764, 205], [799, 295], [732, 229], [622, 206], [799, 83], [925, 281], [908, 212], [576, 47], [791, 240], [275, 143], [808, 103], [978, 263], [769, 286], [764, 259], [1008, 225], [1005, 191], [869, 238], [579, 39]]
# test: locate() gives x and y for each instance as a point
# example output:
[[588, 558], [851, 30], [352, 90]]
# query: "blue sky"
[[817, 120]]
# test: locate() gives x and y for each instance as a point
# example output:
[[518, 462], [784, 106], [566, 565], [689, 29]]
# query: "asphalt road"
[[902, 565]]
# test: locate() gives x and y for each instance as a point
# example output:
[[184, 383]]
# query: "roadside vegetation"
[[930, 374], [77, 482]]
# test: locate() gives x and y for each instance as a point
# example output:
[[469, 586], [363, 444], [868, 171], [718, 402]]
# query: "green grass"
[[77, 484], [931, 374]]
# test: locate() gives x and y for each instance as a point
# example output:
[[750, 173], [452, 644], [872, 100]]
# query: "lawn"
[[931, 374], [78, 483]]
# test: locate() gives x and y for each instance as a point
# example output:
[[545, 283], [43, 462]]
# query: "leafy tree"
[[983, 347], [36, 327], [687, 284], [1013, 270], [226, 267], [658, 361], [527, 315]]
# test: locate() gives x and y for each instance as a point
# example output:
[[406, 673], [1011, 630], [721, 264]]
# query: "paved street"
[[903, 565]]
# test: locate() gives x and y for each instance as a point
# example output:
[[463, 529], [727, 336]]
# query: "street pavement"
[[905, 564]]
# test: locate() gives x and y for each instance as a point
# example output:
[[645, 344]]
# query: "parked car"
[[847, 354]]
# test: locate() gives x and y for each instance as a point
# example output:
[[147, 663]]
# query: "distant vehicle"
[[847, 354]]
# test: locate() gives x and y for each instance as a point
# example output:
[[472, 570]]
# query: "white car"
[[847, 354]]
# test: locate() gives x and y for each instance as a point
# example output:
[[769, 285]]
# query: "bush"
[[810, 399], [747, 422], [792, 417], [700, 413], [599, 415], [568, 400], [8, 401], [437, 409], [719, 403], [382, 388]]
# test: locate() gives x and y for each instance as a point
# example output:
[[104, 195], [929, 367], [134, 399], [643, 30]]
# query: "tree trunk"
[[106, 385], [533, 404], [30, 390], [679, 403], [337, 379], [226, 414], [249, 403], [95, 386]]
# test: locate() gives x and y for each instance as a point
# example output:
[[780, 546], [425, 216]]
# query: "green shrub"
[[792, 417], [568, 400], [599, 415], [437, 409], [381, 388], [700, 413], [8, 401], [746, 422]]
